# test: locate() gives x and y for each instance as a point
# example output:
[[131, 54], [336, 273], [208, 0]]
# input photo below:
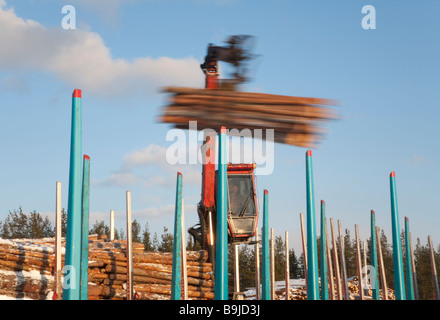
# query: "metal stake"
[[312, 248], [221, 250], [85, 229], [72, 265], [399, 281], [176, 272]]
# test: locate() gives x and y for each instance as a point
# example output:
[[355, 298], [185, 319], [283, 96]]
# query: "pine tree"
[[100, 228], [424, 274], [120, 234], [36, 226], [279, 258], [135, 231], [19, 225], [5, 232], [349, 255], [146, 239], [387, 254], [294, 268], [247, 267], [166, 244], [192, 245], [301, 267], [155, 242]]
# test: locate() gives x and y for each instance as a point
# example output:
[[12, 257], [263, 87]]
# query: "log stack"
[[300, 293], [27, 268], [151, 275], [295, 120]]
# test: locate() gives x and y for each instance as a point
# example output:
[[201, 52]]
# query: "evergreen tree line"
[[32, 226], [19, 225]]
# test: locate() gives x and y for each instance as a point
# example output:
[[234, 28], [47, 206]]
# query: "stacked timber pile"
[[294, 294], [27, 268], [151, 275], [295, 120], [353, 287], [300, 293]]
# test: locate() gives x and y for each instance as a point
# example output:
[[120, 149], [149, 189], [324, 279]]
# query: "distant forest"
[[33, 226]]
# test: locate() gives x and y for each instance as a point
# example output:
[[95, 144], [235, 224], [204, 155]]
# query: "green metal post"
[[177, 244], [399, 281], [375, 285], [85, 228], [312, 248], [72, 266], [409, 271], [221, 249], [324, 282], [265, 257]]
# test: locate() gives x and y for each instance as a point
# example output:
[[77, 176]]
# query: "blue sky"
[[122, 53]]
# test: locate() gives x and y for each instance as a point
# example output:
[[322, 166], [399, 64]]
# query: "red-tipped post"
[[312, 249], [399, 281], [77, 93]]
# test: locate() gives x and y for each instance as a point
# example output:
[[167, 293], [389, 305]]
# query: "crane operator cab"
[[242, 202]]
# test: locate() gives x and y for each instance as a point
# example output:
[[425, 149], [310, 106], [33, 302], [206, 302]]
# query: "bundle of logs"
[[300, 293], [27, 269], [295, 120]]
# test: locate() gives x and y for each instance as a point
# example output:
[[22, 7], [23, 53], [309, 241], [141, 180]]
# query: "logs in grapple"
[[295, 120]]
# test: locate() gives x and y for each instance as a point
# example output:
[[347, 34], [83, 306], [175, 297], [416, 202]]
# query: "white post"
[[304, 245], [272, 266], [129, 249], [257, 267], [330, 266], [336, 261], [112, 224], [287, 265], [236, 271], [359, 264], [58, 248], [211, 231], [366, 290], [416, 289], [345, 290], [183, 246], [434, 270], [381, 266]]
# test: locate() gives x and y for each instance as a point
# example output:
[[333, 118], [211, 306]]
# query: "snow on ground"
[[279, 285], [3, 297]]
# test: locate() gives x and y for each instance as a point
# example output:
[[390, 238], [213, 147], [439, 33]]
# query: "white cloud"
[[82, 60], [121, 179], [152, 154], [148, 167], [418, 159], [160, 212], [155, 212], [107, 9], [15, 84]]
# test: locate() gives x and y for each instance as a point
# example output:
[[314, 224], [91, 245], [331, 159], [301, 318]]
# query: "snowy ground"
[[279, 285], [2, 297]]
